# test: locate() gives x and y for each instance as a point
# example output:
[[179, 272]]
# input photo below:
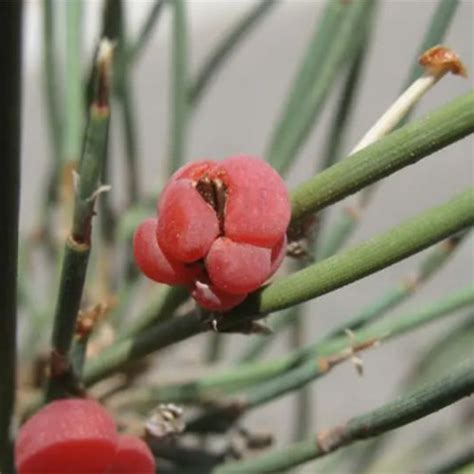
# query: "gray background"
[[237, 115]]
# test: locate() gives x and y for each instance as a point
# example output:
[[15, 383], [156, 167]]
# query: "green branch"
[[347, 220], [142, 344], [450, 388], [143, 37], [77, 247], [328, 353], [334, 42], [226, 46], [401, 148], [10, 140], [179, 83]]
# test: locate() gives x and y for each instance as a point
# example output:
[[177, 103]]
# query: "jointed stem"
[[453, 386]]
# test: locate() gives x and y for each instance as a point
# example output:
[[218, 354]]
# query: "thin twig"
[[226, 46], [10, 139], [456, 384], [78, 244]]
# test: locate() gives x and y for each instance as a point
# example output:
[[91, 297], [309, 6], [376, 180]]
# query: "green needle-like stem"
[[401, 148], [226, 46], [77, 249], [335, 41], [10, 140], [179, 82], [454, 385]]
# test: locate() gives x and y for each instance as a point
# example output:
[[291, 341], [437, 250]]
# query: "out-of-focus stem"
[[451, 387], [179, 82], [10, 140], [226, 46]]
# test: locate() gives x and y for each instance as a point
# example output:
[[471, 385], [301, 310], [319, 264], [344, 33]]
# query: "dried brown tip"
[[440, 59]]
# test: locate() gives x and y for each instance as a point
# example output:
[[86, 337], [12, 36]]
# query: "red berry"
[[67, 436], [154, 263], [236, 267], [132, 457], [229, 218], [187, 224], [213, 299], [257, 206]]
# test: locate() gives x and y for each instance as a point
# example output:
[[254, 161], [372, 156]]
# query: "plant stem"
[[179, 81], [456, 462], [335, 41], [430, 265], [77, 247], [416, 87], [329, 354], [159, 311], [144, 343], [276, 377], [10, 141], [74, 104], [401, 148], [143, 37], [226, 46], [450, 388]]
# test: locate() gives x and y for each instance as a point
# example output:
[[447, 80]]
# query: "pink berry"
[[67, 436], [187, 224], [132, 457], [211, 298], [257, 205], [153, 262], [236, 267], [227, 221]]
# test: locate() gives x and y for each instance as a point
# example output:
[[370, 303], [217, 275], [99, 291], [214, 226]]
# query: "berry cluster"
[[221, 230], [78, 436]]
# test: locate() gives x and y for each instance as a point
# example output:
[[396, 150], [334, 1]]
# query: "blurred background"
[[236, 116]]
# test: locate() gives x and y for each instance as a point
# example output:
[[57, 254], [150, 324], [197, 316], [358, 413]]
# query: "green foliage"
[[97, 279]]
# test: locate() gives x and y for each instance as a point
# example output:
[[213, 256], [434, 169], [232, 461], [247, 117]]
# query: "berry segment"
[[220, 230], [78, 436]]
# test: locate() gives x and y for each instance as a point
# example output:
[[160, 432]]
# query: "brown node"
[[440, 59]]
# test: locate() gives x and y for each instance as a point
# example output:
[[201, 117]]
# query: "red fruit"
[[228, 217], [132, 457], [73, 436], [213, 299], [257, 206], [236, 267], [153, 262], [187, 224]]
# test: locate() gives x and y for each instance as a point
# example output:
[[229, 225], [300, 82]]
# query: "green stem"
[[298, 367], [347, 222], [450, 388], [74, 103], [179, 81], [10, 140], [334, 43], [77, 247], [401, 148], [146, 30], [455, 463], [226, 46], [144, 343], [159, 311], [430, 265]]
